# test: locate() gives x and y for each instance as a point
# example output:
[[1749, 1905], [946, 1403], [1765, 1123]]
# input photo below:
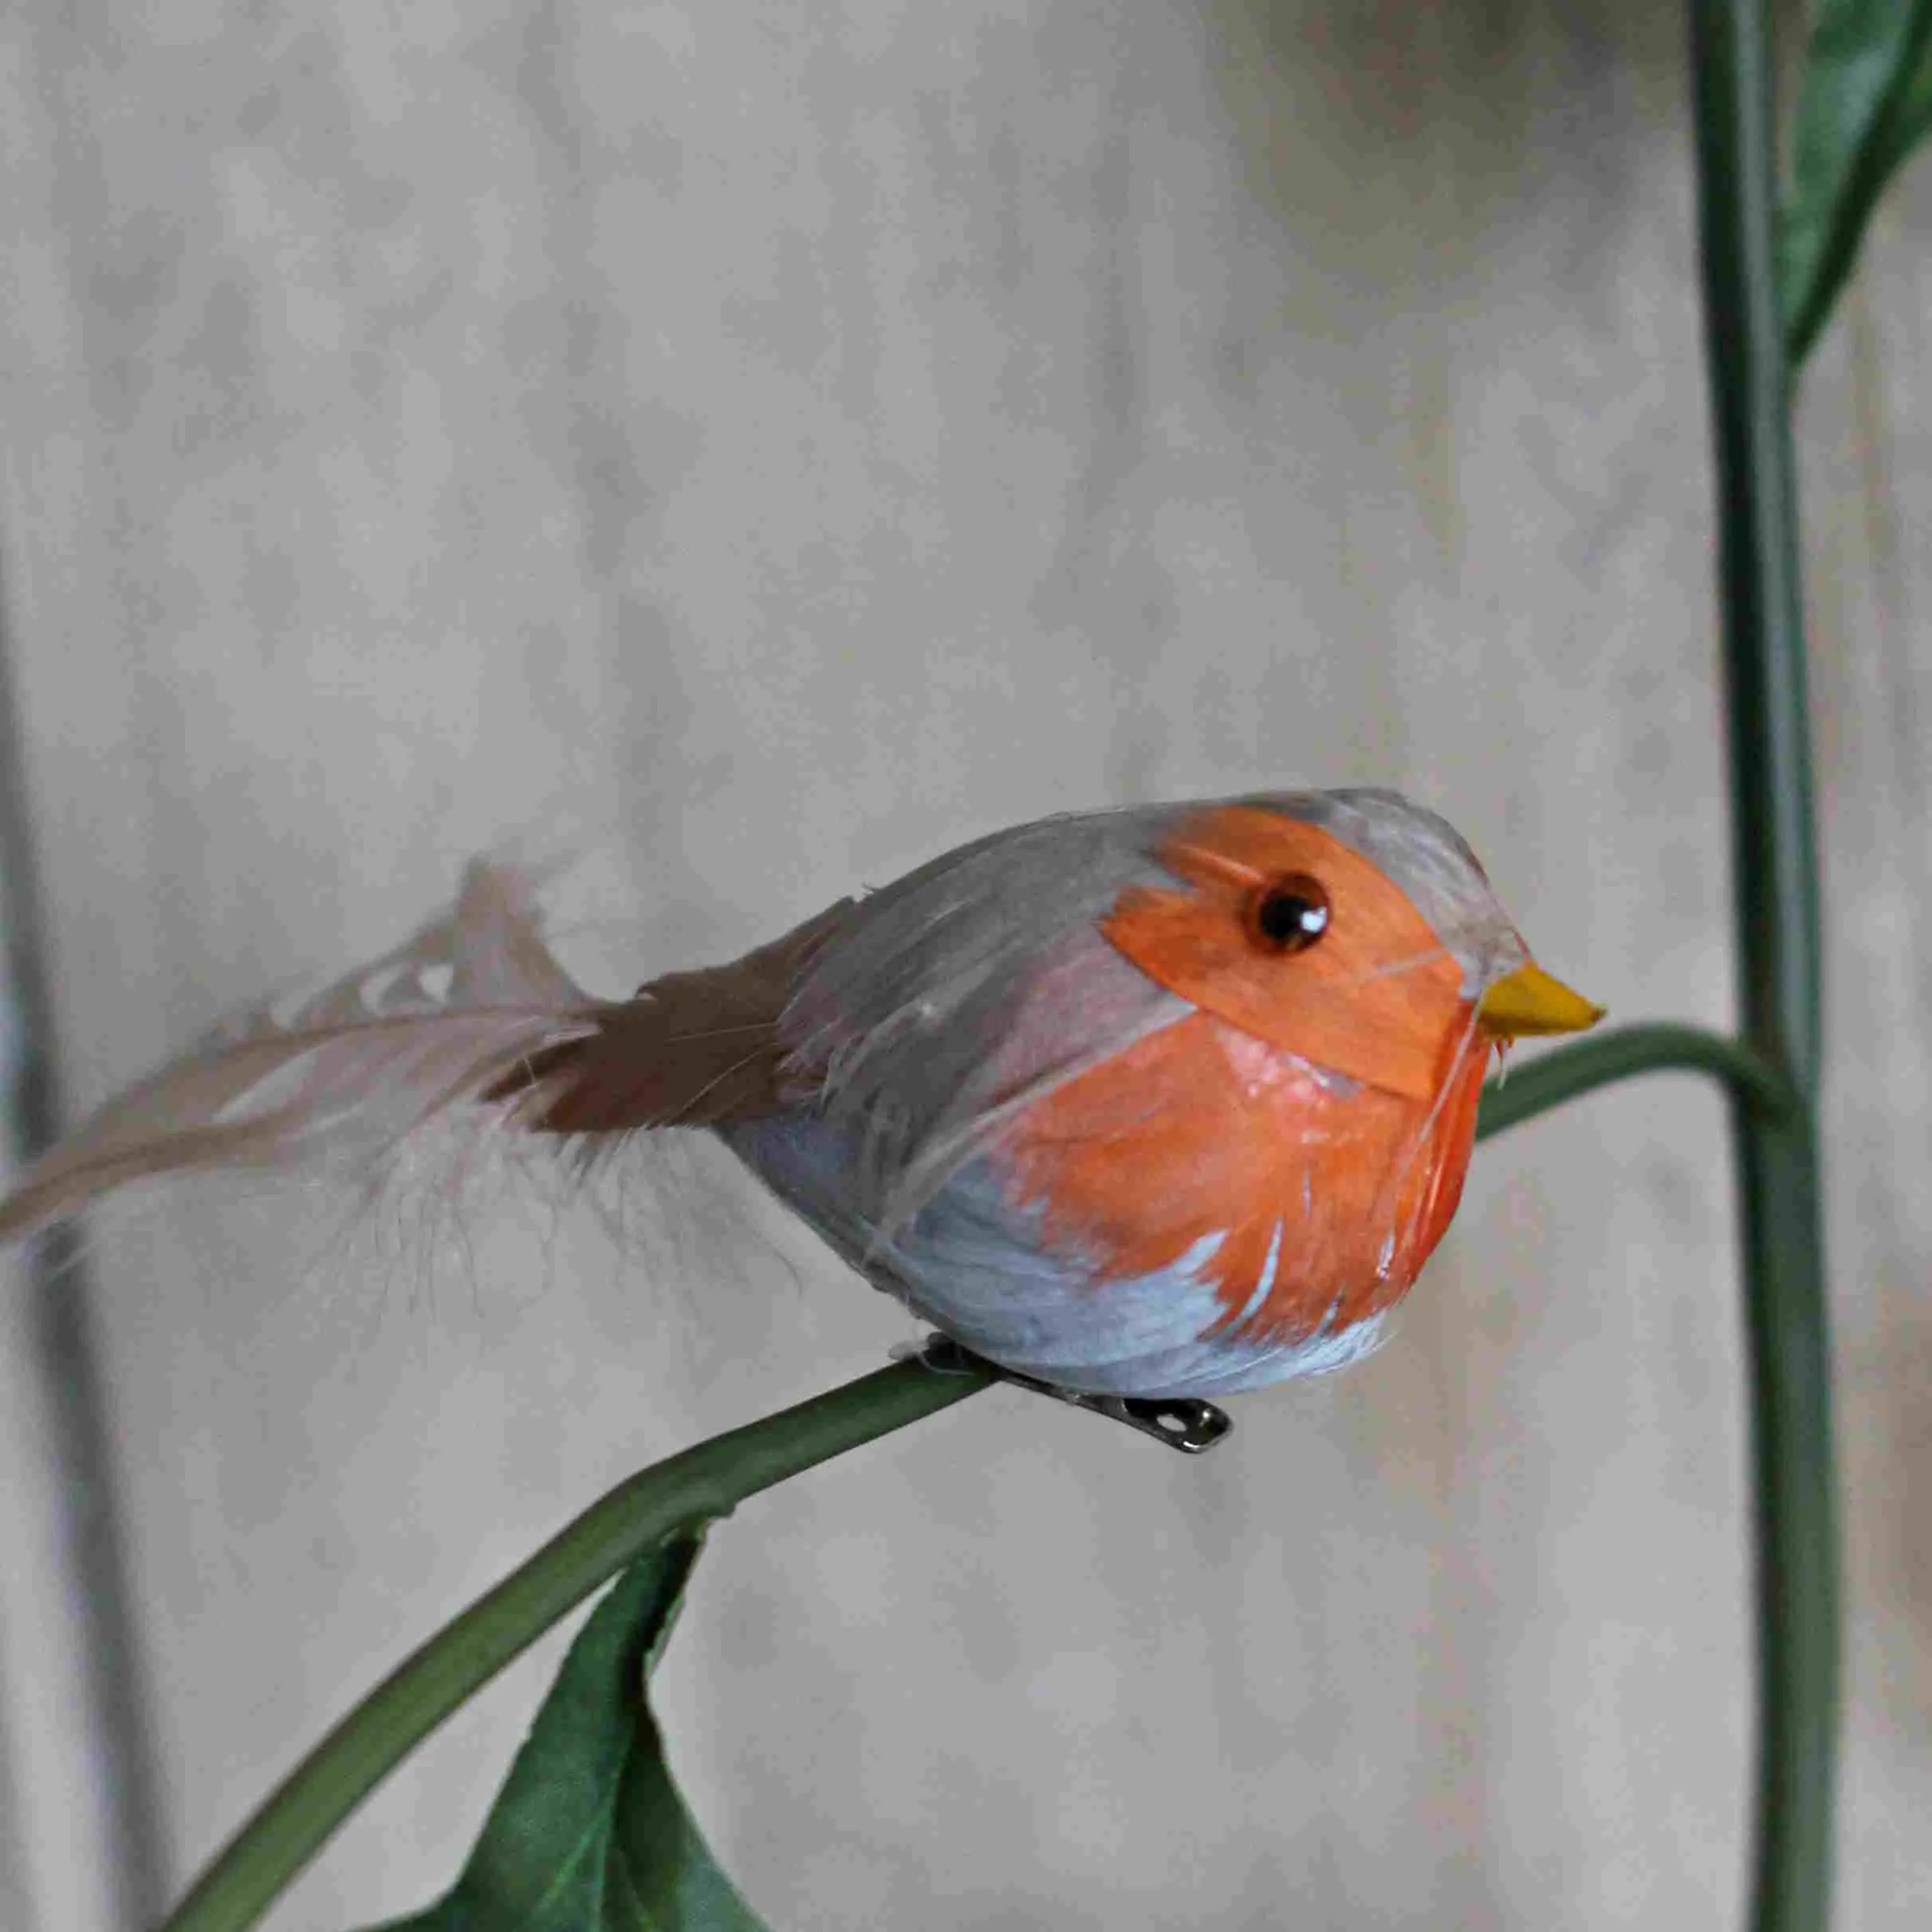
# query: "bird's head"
[[1352, 928]]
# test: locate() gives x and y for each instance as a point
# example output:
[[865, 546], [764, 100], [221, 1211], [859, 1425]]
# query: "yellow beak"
[[1530, 1001]]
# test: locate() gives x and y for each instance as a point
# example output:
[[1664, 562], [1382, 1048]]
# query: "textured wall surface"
[[763, 445]]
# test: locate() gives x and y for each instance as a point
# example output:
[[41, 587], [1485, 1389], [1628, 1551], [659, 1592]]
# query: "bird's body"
[[1174, 1099], [1113, 1181], [1295, 1277]]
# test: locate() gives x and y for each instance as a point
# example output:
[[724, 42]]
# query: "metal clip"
[[1181, 1422]]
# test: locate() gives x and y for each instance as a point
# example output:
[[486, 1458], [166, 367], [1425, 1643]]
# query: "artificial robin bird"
[[1166, 1101]]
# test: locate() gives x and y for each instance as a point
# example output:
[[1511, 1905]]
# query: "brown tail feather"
[[691, 1049]]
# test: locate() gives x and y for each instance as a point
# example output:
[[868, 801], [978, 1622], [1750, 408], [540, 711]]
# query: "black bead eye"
[[1289, 914]]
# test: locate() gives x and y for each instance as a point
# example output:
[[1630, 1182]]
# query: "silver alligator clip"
[[1181, 1422]]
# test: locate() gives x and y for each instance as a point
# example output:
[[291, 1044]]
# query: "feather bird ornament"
[[1165, 1101]]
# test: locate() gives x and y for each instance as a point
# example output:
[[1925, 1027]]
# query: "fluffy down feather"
[[474, 1012]]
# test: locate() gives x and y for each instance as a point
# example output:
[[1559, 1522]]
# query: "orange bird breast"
[[1327, 1201]]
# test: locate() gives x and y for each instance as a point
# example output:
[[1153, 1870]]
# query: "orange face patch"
[[1375, 995]]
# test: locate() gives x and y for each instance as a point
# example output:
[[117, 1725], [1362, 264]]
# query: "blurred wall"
[[763, 445]]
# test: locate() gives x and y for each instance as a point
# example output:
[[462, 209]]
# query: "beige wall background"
[[761, 446]]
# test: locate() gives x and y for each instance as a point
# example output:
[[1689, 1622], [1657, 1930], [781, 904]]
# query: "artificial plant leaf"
[[1914, 121], [1864, 104], [589, 1833]]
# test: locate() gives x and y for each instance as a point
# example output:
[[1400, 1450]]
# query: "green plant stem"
[[1775, 863], [687, 1490], [1569, 1073], [1778, 946]]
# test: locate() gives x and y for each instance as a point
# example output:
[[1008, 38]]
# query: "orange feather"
[[1352, 1189], [1370, 1001]]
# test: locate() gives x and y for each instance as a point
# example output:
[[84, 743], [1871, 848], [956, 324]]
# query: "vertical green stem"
[[1778, 944]]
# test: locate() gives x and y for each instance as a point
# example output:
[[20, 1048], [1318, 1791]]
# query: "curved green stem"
[[1572, 1072], [693, 1487]]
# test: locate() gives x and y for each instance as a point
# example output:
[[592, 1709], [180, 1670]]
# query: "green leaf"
[[1864, 103], [589, 1833]]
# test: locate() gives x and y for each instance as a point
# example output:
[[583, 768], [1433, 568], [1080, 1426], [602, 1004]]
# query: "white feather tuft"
[[456, 1016]]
